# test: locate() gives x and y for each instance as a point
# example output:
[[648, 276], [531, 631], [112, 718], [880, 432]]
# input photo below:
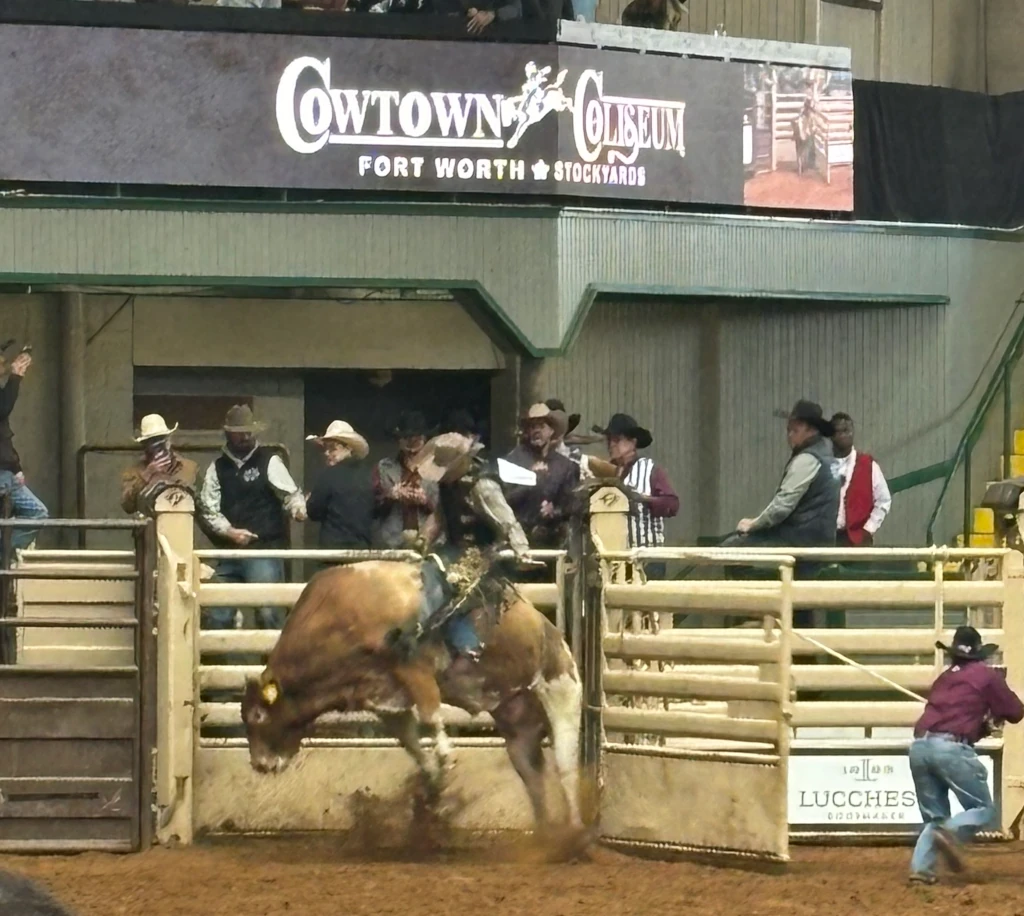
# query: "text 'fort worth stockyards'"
[[465, 135]]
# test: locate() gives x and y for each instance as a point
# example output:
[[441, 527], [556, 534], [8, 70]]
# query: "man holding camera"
[[159, 463], [24, 503]]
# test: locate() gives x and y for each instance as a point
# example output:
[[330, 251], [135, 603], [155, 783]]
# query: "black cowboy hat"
[[558, 404], [411, 423], [967, 646], [461, 421], [810, 413], [622, 424]]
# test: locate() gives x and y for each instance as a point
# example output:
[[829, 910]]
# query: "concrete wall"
[[1004, 20], [928, 42]]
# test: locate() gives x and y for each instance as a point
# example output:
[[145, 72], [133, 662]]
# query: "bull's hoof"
[[567, 844]]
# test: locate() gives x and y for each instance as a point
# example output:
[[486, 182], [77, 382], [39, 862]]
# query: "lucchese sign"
[[861, 791], [609, 131]]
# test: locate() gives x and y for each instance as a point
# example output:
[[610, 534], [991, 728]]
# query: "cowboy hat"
[[340, 431], [967, 646], [622, 424], [440, 454], [556, 419], [411, 423], [572, 419], [241, 420], [810, 413], [461, 421], [153, 427]]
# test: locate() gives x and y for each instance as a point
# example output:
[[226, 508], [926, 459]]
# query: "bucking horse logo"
[[534, 102]]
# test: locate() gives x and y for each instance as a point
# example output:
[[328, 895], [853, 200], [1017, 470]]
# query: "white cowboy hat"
[[153, 427], [340, 431]]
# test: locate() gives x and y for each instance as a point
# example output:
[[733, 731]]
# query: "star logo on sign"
[[540, 170]]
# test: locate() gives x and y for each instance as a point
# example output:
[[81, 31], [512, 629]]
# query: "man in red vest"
[[864, 500]]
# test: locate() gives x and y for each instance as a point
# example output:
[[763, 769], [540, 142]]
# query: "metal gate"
[[690, 755], [77, 710]]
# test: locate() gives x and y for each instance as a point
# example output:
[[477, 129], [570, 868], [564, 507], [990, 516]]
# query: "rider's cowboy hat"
[[411, 423], [810, 413], [340, 431], [556, 419], [622, 424], [153, 426], [241, 420], [442, 453], [967, 646]]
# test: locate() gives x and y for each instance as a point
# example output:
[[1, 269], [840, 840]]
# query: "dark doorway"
[[372, 402]]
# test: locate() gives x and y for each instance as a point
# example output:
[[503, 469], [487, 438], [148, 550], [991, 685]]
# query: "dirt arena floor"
[[325, 876], [786, 189]]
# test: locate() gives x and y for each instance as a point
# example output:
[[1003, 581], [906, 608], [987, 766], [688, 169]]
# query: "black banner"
[[284, 111], [931, 155]]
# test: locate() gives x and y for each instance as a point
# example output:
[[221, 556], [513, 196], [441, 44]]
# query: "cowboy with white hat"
[[245, 495], [159, 463], [342, 500]]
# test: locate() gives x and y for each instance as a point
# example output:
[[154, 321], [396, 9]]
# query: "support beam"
[[662, 648], [688, 687], [684, 724], [72, 403]]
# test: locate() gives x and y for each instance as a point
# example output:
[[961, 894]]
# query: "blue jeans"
[[941, 765], [458, 630], [258, 569], [24, 504]]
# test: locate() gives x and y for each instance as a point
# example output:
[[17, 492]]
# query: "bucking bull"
[[332, 655]]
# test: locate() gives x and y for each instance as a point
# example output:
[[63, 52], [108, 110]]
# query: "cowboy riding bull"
[[400, 640]]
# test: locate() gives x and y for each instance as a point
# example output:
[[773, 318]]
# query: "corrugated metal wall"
[[884, 366], [640, 358]]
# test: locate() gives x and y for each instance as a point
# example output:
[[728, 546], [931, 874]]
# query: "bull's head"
[[273, 736]]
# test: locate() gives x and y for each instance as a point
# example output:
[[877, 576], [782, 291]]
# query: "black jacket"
[[342, 502], [9, 460]]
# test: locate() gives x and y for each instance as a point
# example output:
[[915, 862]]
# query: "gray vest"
[[813, 522]]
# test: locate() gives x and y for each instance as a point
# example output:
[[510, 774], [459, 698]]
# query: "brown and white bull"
[[330, 657]]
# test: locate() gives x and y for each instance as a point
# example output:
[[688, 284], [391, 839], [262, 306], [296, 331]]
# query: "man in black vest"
[[240, 505], [805, 507]]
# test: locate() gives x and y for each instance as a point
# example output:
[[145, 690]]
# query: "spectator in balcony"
[[24, 503], [543, 510], [404, 501], [342, 498], [652, 497], [244, 497], [654, 14], [252, 4], [479, 14], [864, 500], [159, 463]]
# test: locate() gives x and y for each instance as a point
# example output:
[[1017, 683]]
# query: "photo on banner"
[[798, 138]]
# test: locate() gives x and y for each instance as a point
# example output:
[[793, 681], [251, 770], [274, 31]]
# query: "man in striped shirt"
[[654, 498]]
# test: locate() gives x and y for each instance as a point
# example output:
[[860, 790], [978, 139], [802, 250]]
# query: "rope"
[[860, 667]]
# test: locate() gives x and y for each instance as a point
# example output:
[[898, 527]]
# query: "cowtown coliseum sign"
[[284, 111], [609, 131]]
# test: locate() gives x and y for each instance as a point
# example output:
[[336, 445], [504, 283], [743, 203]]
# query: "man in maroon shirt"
[[965, 702]]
